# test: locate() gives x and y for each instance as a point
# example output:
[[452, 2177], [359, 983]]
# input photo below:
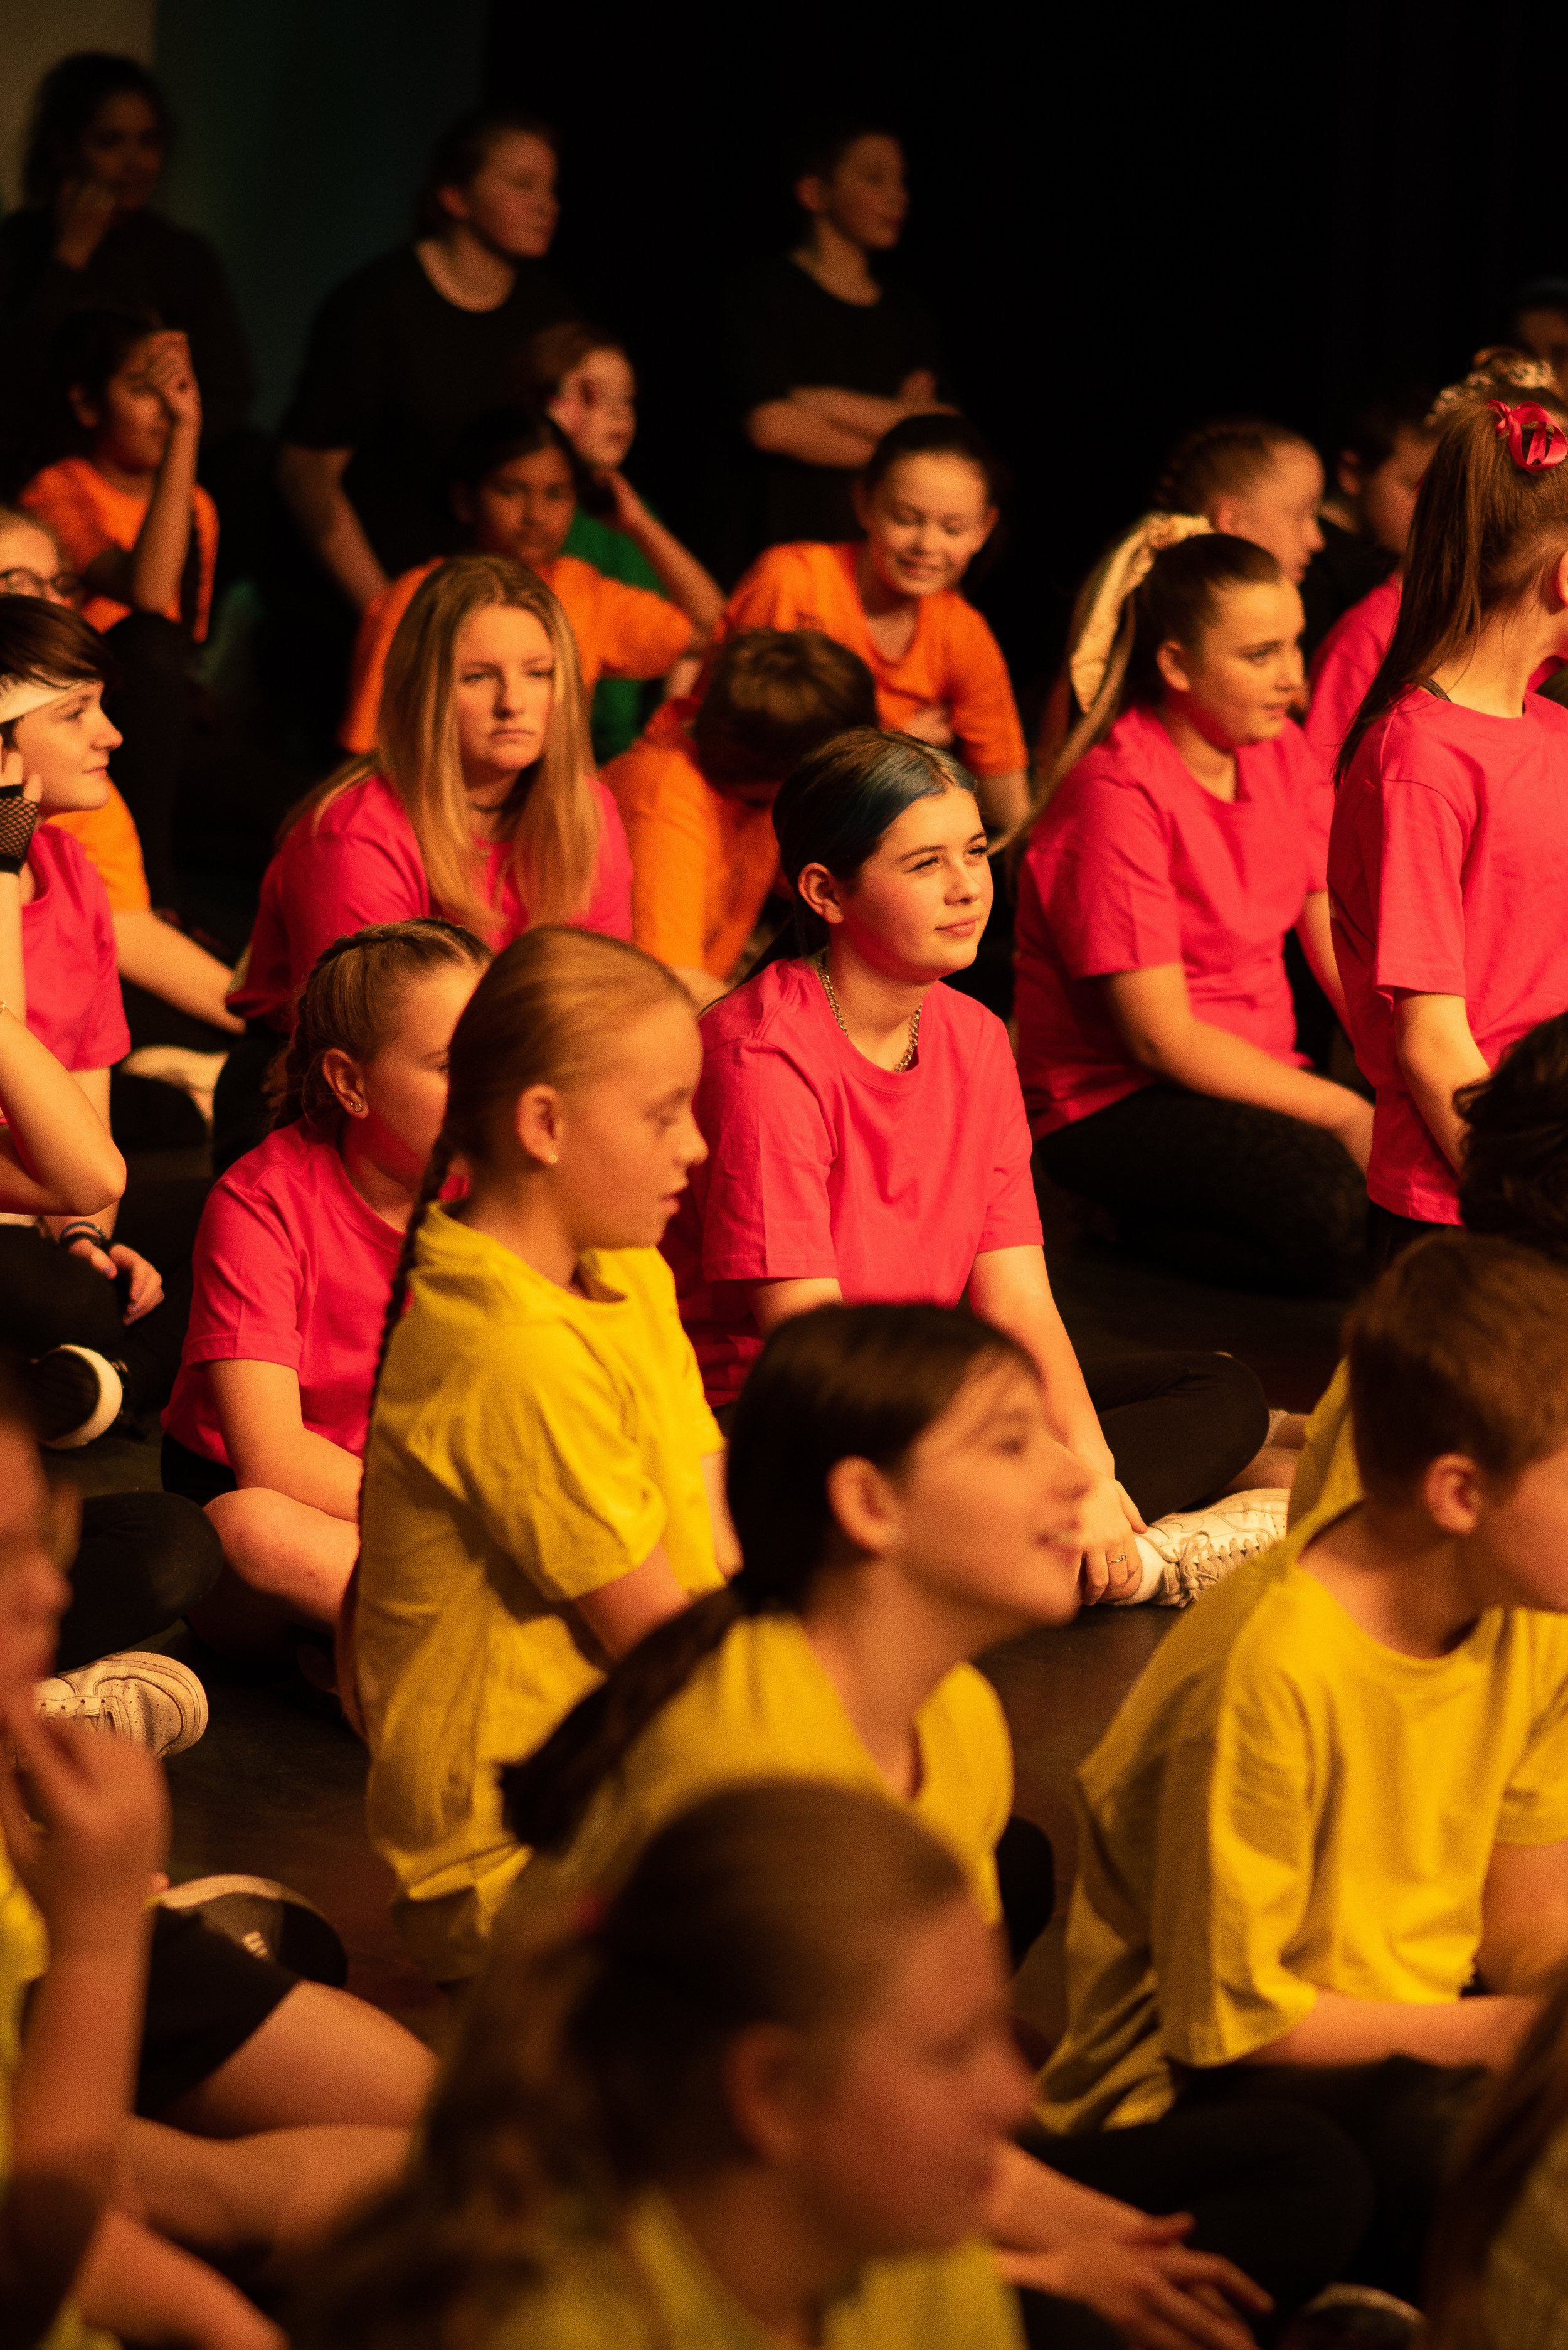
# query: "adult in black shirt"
[[411, 349], [826, 360], [87, 238]]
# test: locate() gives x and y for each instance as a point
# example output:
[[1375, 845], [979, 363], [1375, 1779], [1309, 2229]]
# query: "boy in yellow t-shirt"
[[1341, 1788]]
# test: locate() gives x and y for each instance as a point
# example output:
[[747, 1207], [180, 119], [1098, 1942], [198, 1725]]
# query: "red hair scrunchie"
[[1535, 440]]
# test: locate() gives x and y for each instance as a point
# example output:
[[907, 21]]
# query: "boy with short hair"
[[1341, 1788], [696, 792]]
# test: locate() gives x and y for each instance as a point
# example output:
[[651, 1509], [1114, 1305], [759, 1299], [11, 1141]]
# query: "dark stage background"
[[1124, 218]]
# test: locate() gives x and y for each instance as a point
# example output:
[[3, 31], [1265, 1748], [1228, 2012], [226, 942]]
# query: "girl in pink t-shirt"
[[294, 1267], [1156, 1029], [866, 1138], [1449, 857], [481, 804]]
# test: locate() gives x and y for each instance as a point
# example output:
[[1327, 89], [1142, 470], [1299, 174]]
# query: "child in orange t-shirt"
[[130, 513], [696, 793], [927, 505], [515, 487]]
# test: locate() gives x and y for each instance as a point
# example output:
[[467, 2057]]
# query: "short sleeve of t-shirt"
[[767, 1216], [544, 1459], [1113, 906], [1535, 1802], [109, 836], [340, 881], [670, 837], [58, 499], [781, 590], [1234, 1879], [1420, 904], [981, 706], [246, 1285], [1012, 1213], [642, 635], [339, 396]]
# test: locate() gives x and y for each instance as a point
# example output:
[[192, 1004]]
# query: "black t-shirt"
[[787, 331], [1346, 567], [394, 372], [144, 262]]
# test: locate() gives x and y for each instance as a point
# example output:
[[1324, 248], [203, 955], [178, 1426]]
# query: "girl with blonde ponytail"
[[292, 1266], [1447, 866], [542, 1478]]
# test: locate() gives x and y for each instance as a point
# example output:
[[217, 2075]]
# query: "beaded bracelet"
[[83, 1228]]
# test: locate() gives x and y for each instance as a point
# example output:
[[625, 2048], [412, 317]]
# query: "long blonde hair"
[[551, 817]]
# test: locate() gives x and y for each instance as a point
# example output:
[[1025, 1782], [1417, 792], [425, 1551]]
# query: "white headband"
[[20, 695]]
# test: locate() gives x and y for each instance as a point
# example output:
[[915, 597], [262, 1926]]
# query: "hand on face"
[[64, 746], [172, 377]]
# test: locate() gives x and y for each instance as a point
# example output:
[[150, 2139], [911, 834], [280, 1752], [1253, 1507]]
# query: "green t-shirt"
[[615, 717]]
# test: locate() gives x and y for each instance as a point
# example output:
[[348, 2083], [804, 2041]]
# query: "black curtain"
[[1125, 219]]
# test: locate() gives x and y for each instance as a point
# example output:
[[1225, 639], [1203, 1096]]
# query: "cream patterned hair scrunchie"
[[1123, 571]]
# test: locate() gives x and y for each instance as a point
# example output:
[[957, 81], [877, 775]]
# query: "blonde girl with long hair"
[[542, 1478], [479, 804]]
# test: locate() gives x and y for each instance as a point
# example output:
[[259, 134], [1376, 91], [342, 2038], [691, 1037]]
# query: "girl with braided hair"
[[294, 1263], [542, 1478]]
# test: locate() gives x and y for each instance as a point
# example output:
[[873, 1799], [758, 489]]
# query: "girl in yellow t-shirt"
[[669, 2123], [542, 1476]]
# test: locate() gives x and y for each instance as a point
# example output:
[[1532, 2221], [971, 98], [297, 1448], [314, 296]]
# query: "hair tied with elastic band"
[[1535, 440]]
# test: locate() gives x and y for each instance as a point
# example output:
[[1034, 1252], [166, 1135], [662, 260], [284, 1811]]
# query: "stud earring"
[[554, 1161]]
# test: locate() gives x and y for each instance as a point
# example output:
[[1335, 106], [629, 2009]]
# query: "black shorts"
[[205, 1996]]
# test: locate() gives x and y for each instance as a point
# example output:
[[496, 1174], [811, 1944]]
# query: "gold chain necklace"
[[819, 963]]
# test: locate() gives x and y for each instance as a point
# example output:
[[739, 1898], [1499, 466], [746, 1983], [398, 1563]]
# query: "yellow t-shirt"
[[1284, 1805], [24, 1957], [529, 1445], [761, 1706], [662, 2294], [1526, 2305], [1328, 1479]]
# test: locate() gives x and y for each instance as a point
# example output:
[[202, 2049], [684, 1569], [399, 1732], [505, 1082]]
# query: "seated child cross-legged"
[[696, 793], [1341, 1787], [699, 2083], [542, 1477], [868, 1139], [902, 1507], [293, 1265], [1185, 840]]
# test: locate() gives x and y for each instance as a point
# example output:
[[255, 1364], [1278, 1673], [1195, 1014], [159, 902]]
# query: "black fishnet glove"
[[18, 818]]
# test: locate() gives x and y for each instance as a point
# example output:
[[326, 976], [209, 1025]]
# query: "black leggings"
[[1246, 1198], [1181, 1426], [143, 1561], [1278, 2188], [49, 1298], [1400, 2114]]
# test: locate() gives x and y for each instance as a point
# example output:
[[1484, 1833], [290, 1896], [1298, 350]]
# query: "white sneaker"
[[150, 1700], [1184, 1554], [77, 1396], [194, 1073]]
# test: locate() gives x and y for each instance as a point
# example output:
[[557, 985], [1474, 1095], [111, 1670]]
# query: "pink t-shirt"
[[1448, 874], [1347, 661], [359, 862], [1132, 865], [823, 1165], [74, 1003], [290, 1267]]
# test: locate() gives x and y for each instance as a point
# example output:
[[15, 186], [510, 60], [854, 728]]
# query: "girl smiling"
[[926, 504]]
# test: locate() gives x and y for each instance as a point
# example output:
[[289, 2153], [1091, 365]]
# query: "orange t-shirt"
[[701, 862], [953, 658], [621, 632], [109, 836], [89, 515]]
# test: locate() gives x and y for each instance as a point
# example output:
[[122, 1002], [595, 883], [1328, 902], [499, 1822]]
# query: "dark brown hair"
[[351, 1004], [64, 105], [773, 695], [1461, 1346], [1223, 459], [462, 151], [1522, 2115], [865, 1381], [1484, 530], [41, 643], [1514, 1178], [590, 2061]]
